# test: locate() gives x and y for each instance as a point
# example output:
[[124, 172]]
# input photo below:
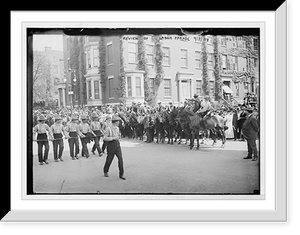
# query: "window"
[[96, 90], [255, 44], [151, 85], [255, 64], [198, 87], [246, 87], [95, 57], [149, 54], [109, 54], [237, 89], [55, 69], [138, 86], [132, 52], [198, 59], [184, 58], [223, 41], [166, 55], [129, 89], [167, 87], [89, 89], [111, 87], [88, 55], [210, 63], [234, 63], [224, 62]]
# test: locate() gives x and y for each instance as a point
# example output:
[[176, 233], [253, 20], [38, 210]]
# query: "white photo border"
[[30, 209]]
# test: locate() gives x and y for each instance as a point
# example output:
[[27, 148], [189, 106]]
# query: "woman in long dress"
[[229, 133]]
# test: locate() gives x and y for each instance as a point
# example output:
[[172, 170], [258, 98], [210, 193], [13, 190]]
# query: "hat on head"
[[41, 118], [206, 97], [74, 117], [195, 96], [57, 117], [84, 117], [115, 118], [159, 102]]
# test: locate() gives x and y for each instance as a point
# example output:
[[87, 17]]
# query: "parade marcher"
[[104, 127], [250, 130], [112, 136], [58, 132], [85, 134], [72, 132], [234, 123], [40, 135], [96, 129]]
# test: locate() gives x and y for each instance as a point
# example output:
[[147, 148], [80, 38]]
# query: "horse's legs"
[[197, 136]]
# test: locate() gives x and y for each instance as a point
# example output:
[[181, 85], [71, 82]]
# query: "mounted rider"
[[206, 107], [197, 102]]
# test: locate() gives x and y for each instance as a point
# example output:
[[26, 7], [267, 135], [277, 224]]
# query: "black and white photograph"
[[143, 111], [123, 116]]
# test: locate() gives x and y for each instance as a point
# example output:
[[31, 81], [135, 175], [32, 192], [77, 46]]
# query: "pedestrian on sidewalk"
[[250, 130], [58, 132], [40, 135], [72, 132], [112, 136]]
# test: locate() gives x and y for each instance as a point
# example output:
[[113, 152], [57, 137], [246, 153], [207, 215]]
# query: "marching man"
[[40, 135], [58, 130]]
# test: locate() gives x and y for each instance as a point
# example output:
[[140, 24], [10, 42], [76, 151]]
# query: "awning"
[[226, 89]]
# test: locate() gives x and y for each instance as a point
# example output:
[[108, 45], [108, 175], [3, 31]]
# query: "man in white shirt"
[[112, 136]]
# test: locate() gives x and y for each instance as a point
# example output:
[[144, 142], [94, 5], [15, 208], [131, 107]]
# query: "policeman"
[[58, 130], [72, 132], [112, 136], [40, 135]]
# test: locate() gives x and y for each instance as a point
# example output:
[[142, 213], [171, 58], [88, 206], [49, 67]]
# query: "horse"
[[190, 122], [159, 131], [169, 124], [215, 124], [133, 121]]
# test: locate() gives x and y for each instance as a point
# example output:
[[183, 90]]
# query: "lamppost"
[[70, 85]]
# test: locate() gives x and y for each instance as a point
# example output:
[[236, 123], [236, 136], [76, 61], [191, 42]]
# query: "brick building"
[[181, 62]]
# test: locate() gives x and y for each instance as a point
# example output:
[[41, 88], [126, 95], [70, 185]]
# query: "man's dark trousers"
[[114, 148], [58, 142], [251, 145], [73, 142]]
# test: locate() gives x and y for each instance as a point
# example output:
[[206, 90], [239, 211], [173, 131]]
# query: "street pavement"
[[152, 168]]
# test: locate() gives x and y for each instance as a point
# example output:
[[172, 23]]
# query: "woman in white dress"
[[229, 133]]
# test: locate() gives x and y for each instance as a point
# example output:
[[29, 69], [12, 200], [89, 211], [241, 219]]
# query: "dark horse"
[[159, 131], [170, 124]]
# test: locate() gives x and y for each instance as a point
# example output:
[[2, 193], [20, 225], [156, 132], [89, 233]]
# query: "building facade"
[[168, 67]]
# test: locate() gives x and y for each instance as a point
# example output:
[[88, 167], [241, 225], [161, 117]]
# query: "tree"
[[205, 83], [41, 78], [218, 79]]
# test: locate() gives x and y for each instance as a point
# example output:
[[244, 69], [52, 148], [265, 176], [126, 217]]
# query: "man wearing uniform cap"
[[41, 130], [112, 136], [58, 130], [85, 133], [96, 129], [72, 132]]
